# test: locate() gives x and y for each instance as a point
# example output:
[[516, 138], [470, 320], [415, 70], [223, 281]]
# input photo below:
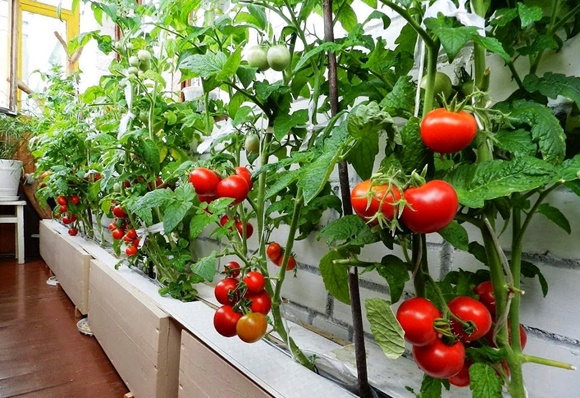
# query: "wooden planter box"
[[69, 262], [140, 339], [203, 373]]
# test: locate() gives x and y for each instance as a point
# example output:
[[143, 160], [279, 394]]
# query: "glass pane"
[[40, 49], [4, 54]]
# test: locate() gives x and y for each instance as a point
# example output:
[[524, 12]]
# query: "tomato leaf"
[[348, 228], [174, 214], [478, 251], [395, 271], [431, 387], [385, 328], [484, 354], [368, 118], [455, 234], [284, 123], [400, 101], [541, 43], [198, 223], [412, 154], [150, 153], [518, 142], [484, 381], [206, 267], [570, 169], [555, 215], [324, 47], [335, 277], [204, 65], [530, 270], [362, 155], [529, 15], [554, 84], [231, 65], [246, 74], [476, 183]]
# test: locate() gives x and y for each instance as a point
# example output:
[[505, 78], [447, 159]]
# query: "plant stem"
[[548, 362], [418, 261]]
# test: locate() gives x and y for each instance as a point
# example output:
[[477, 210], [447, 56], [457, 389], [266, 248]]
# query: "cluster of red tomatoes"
[[275, 253], [210, 186], [245, 230], [68, 217], [439, 344], [121, 229], [440, 356], [245, 304], [429, 208]]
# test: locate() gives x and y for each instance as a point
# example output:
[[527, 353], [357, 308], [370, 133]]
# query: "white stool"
[[17, 219]]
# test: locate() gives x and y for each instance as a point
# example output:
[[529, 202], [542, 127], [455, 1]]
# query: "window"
[[32, 45]]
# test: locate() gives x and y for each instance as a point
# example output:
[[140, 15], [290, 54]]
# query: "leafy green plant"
[[13, 132]]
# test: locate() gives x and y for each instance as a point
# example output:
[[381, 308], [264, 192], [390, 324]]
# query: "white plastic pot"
[[10, 173]]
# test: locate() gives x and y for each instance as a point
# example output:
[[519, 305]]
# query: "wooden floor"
[[42, 354]]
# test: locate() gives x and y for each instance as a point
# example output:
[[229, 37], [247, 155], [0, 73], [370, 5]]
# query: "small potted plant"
[[12, 131]]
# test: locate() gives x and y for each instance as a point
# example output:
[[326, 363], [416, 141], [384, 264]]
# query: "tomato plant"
[[417, 318], [439, 359], [235, 187], [431, 207], [252, 327], [469, 310], [445, 131]]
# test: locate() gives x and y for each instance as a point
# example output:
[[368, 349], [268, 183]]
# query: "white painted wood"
[[18, 220]]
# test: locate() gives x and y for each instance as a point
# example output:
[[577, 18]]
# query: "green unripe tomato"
[[134, 61], [129, 45], [278, 57], [257, 58], [442, 84], [252, 143], [144, 55], [143, 117], [117, 187], [145, 65], [132, 70]]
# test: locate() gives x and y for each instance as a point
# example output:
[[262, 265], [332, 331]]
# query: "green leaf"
[[518, 142], [478, 252], [529, 15], [347, 17], [431, 387], [412, 154], [401, 99], [504, 16], [246, 74], [284, 123], [555, 215], [198, 224], [204, 65], [453, 39], [350, 228], [206, 267], [150, 153], [530, 270], [283, 180], [174, 214], [484, 354], [324, 47], [493, 45], [155, 198], [542, 43], [476, 183], [335, 277], [554, 84], [385, 328], [395, 271], [362, 155], [570, 169], [455, 234], [230, 67], [484, 381], [544, 126], [368, 118]]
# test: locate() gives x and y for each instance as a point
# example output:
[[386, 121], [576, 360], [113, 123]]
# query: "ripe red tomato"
[[112, 226], [117, 234], [119, 212], [523, 336], [75, 199], [485, 292], [291, 263], [469, 310], [204, 181], [440, 360], [225, 321], [274, 251], [206, 198], [73, 231], [366, 205], [63, 208], [232, 269], [240, 228], [444, 131], [255, 281], [417, 316], [131, 234], [61, 200], [234, 187], [461, 379], [432, 207], [247, 174], [225, 291], [131, 251], [261, 302], [252, 327], [69, 219]]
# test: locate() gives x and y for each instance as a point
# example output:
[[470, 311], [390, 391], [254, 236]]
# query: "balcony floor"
[[42, 354]]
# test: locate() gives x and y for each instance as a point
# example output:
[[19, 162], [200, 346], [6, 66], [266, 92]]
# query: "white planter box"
[[140, 339], [203, 373], [69, 262]]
